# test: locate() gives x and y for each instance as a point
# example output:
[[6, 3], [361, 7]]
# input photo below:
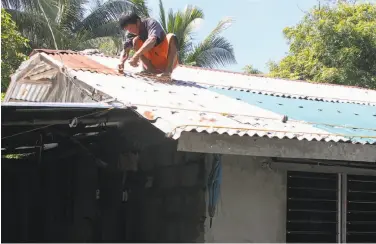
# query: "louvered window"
[[361, 209], [312, 206]]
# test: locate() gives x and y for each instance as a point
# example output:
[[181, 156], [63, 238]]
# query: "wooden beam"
[[282, 148], [43, 75]]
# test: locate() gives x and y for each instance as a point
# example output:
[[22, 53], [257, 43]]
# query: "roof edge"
[[269, 77], [54, 51]]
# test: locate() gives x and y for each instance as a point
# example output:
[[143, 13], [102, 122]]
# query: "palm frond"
[[109, 45], [221, 26], [171, 21], [35, 28], [94, 4], [82, 40], [162, 15], [141, 8], [110, 29], [70, 13], [49, 6], [107, 12], [24, 5], [216, 51], [181, 24]]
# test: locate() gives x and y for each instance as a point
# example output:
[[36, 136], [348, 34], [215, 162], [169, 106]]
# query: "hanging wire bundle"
[[214, 185]]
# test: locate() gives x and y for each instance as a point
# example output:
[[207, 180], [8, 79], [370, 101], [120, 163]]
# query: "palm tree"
[[212, 52], [74, 23], [80, 24]]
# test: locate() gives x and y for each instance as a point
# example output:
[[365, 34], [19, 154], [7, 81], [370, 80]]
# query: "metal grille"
[[312, 207], [361, 209]]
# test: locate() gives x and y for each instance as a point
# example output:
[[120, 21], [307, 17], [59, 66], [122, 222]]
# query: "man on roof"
[[156, 49]]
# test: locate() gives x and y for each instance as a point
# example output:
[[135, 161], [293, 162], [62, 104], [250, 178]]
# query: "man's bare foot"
[[145, 72], [164, 74]]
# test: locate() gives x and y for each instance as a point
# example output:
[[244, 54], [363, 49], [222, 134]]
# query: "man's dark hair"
[[127, 19]]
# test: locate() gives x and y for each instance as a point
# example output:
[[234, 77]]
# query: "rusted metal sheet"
[[77, 61], [190, 104], [176, 108]]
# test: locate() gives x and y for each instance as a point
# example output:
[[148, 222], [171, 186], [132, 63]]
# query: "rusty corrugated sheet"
[[78, 61], [190, 104], [180, 107]]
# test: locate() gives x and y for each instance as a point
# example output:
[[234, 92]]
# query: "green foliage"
[[213, 51], [110, 46], [249, 69], [17, 156], [335, 44], [99, 28], [13, 47], [74, 23]]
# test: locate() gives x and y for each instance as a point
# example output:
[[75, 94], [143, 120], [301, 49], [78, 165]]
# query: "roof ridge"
[[269, 77], [53, 52]]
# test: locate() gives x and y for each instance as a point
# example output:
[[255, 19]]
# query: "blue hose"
[[214, 185]]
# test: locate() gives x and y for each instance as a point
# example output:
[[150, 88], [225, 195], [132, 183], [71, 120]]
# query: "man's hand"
[[121, 68], [123, 57], [134, 60]]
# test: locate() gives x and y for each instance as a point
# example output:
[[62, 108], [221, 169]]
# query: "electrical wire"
[[46, 126], [250, 116], [64, 71], [232, 114], [223, 114]]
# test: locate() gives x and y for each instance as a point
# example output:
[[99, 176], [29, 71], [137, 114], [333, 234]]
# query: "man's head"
[[130, 22]]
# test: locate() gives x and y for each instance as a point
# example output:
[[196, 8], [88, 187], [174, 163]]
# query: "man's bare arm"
[[147, 46], [123, 56]]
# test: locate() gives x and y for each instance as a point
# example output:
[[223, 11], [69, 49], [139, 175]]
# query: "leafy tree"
[[74, 23], [212, 52], [13, 47], [249, 69], [78, 25], [335, 44]]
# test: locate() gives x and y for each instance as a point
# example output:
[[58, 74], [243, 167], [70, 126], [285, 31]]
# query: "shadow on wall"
[[67, 197]]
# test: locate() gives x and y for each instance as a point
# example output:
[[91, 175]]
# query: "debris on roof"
[[220, 102]]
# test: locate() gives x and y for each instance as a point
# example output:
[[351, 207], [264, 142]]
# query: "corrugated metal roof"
[[355, 119], [180, 107], [77, 61], [276, 87], [33, 92], [214, 104]]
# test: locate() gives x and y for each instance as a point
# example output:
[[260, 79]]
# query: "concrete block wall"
[[252, 204], [173, 207]]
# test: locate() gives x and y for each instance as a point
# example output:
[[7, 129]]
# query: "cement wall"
[[172, 206], [72, 199], [253, 203]]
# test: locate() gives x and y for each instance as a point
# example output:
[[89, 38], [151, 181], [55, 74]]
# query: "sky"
[[256, 34]]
